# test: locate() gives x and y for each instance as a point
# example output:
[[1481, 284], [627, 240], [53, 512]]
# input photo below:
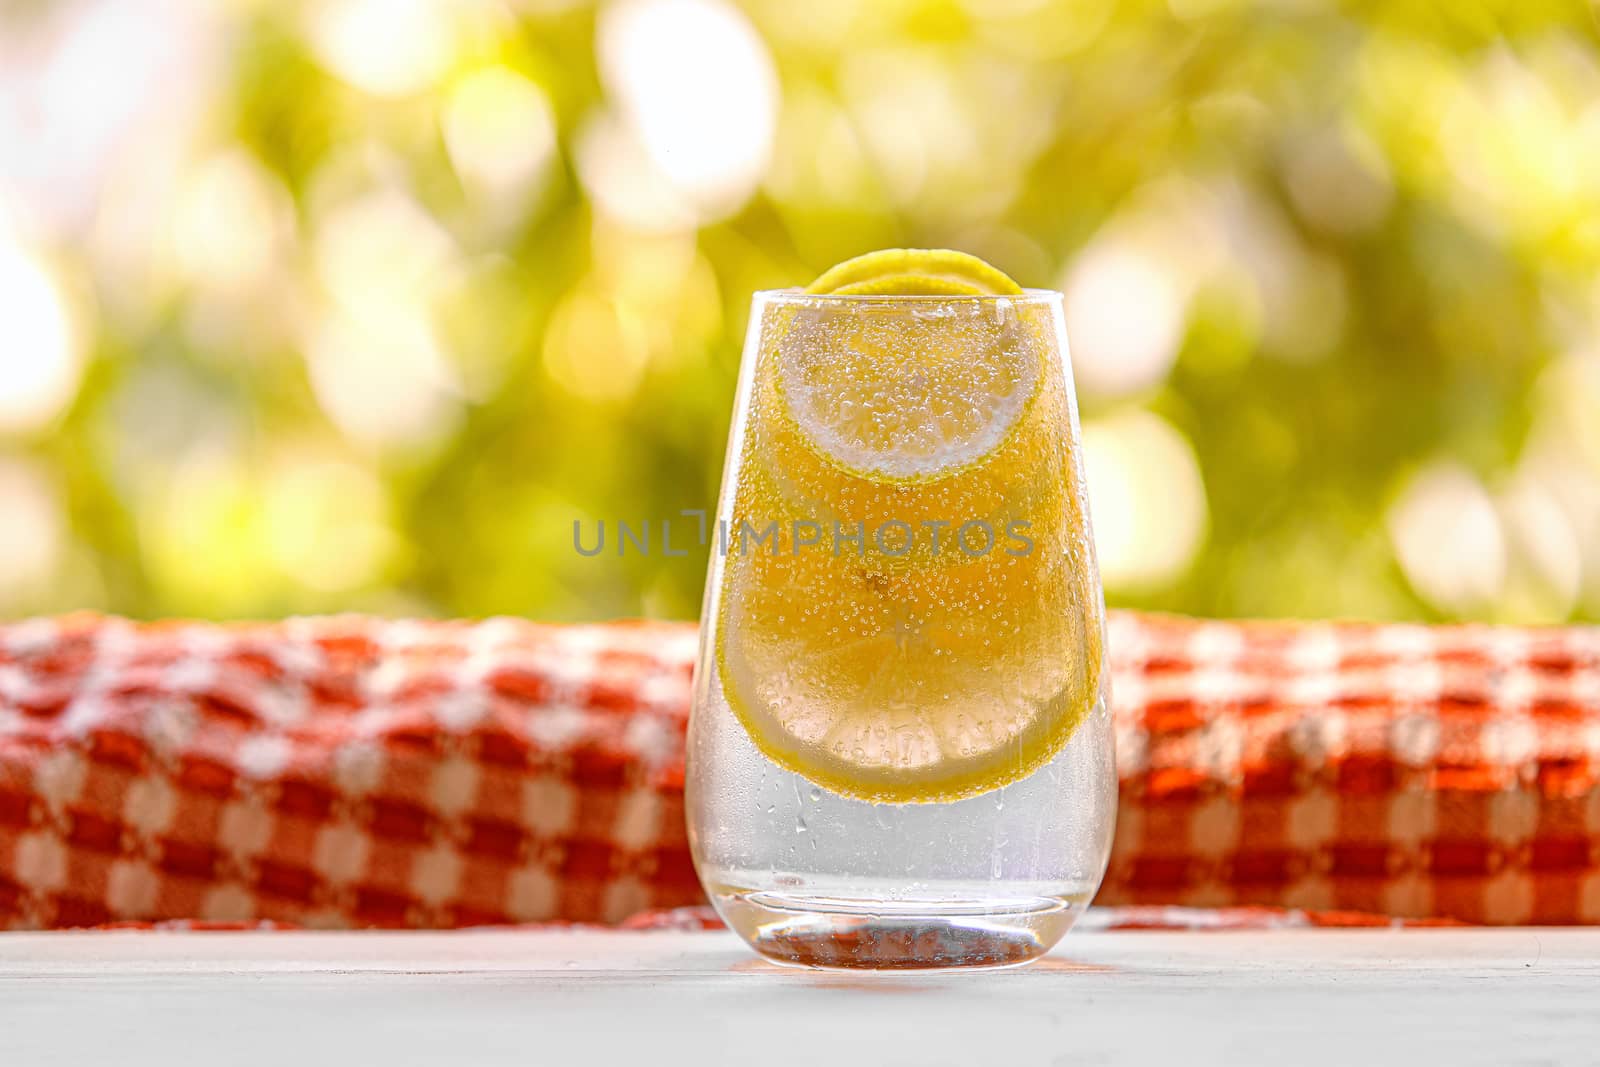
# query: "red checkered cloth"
[[360, 772]]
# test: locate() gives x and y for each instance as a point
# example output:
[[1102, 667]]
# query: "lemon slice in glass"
[[917, 679], [914, 394], [902, 688]]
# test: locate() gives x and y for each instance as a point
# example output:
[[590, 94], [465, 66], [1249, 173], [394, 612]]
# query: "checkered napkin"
[[1404, 770], [361, 772]]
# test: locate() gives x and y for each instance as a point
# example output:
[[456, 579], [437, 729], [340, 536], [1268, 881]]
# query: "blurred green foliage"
[[369, 303]]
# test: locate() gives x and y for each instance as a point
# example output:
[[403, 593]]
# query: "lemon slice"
[[914, 272], [926, 677], [912, 687], [907, 391]]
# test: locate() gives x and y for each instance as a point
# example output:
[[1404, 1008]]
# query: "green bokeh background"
[[351, 332]]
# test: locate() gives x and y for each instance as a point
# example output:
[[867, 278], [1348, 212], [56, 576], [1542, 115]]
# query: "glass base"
[[902, 935]]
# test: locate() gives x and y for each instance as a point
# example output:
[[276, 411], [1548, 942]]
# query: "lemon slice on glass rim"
[[914, 272], [922, 681]]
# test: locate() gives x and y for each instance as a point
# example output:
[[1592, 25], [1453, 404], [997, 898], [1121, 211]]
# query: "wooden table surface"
[[1349, 997]]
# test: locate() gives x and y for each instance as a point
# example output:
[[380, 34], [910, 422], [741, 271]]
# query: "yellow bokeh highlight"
[[595, 348]]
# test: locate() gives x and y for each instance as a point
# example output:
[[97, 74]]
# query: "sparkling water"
[[809, 876]]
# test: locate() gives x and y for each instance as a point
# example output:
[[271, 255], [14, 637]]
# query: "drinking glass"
[[900, 754]]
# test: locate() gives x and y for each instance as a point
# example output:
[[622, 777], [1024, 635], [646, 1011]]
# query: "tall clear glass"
[[900, 754]]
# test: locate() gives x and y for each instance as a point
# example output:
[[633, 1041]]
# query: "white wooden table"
[[1354, 998]]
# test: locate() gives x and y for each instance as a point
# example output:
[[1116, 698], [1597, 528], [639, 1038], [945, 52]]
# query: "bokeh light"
[[327, 522], [1448, 538], [358, 304], [34, 532], [385, 47], [595, 348], [1148, 500], [694, 84], [1126, 313], [231, 222], [40, 369], [501, 133]]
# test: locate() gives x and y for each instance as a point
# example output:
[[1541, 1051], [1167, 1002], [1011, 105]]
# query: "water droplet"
[[800, 826], [816, 794]]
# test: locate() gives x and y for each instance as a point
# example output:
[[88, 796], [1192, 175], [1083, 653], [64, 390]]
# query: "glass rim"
[[796, 295]]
